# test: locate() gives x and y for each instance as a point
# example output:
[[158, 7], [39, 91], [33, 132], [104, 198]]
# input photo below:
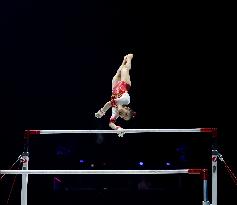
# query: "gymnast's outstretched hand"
[[100, 114], [121, 132]]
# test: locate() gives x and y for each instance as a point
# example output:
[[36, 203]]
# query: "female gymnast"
[[120, 98]]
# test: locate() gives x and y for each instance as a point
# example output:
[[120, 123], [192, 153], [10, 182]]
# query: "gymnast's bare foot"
[[130, 56]]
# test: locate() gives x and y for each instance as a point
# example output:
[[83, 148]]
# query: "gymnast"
[[120, 98]]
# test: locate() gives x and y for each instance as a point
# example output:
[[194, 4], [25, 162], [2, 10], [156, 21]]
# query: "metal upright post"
[[25, 163], [205, 187], [214, 176], [25, 160]]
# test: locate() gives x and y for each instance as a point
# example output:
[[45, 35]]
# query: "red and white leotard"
[[119, 96], [120, 87]]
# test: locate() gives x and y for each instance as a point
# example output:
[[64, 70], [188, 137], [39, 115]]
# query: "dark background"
[[57, 62]]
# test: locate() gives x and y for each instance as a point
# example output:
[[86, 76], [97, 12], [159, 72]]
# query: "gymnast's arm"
[[113, 126], [106, 106], [113, 119], [103, 110]]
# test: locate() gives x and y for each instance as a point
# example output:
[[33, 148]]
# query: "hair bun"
[[134, 114]]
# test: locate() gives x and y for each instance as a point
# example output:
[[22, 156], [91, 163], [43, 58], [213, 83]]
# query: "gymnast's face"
[[124, 113]]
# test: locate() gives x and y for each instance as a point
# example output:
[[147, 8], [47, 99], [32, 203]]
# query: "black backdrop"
[[58, 59]]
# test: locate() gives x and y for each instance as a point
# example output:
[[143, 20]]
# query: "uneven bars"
[[178, 171], [118, 131]]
